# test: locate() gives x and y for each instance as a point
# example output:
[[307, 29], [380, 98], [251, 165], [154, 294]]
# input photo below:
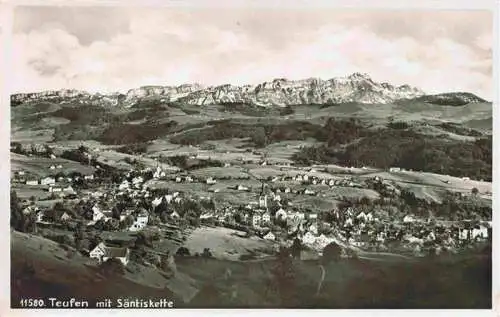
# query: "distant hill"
[[451, 99]]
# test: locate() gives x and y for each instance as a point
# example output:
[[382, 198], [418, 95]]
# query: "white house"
[[69, 190], [361, 216], [178, 179], [156, 201], [65, 217], [308, 191], [408, 219], [189, 179], [331, 182], [256, 219], [31, 182], [211, 181], [266, 218], [269, 236], [242, 188], [174, 215], [313, 216], [89, 177], [124, 185], [103, 253], [308, 238], [394, 169], [313, 229], [59, 166], [263, 201], [140, 223], [52, 167], [137, 180], [169, 198], [280, 214], [52, 156], [48, 181], [55, 189], [287, 190], [97, 213]]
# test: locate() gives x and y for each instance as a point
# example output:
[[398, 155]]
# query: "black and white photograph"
[[250, 156]]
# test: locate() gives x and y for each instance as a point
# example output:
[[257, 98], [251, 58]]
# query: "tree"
[[475, 191], [284, 279], [183, 251], [296, 248], [112, 267], [331, 252], [207, 253], [168, 265]]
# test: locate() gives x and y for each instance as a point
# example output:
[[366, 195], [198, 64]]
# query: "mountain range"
[[357, 87]]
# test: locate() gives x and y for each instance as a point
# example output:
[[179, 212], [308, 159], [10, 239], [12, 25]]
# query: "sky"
[[117, 48]]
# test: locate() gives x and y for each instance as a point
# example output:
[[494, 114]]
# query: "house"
[[69, 190], [103, 253], [52, 167], [137, 180], [242, 188], [308, 238], [65, 217], [124, 185], [313, 216], [394, 169], [178, 179], [211, 181], [52, 156], [308, 191], [256, 219], [156, 201], [31, 182], [97, 213], [55, 189], [48, 181], [280, 214], [189, 179], [89, 177], [361, 216], [39, 216], [169, 198], [263, 201], [140, 223], [174, 215], [287, 190], [206, 216], [59, 166], [266, 218], [313, 229], [269, 236], [331, 182], [408, 219], [214, 189]]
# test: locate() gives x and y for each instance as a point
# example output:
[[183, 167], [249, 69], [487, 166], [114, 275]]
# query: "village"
[[127, 201]]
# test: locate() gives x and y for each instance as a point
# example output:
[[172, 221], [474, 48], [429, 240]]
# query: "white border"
[[6, 11]]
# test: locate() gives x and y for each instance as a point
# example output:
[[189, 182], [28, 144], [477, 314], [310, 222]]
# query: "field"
[[41, 166], [226, 243]]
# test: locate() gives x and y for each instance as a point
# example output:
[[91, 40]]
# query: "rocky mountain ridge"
[[279, 92]]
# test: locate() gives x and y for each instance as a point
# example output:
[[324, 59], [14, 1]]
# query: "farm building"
[[270, 236], [48, 181], [103, 253], [32, 182]]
